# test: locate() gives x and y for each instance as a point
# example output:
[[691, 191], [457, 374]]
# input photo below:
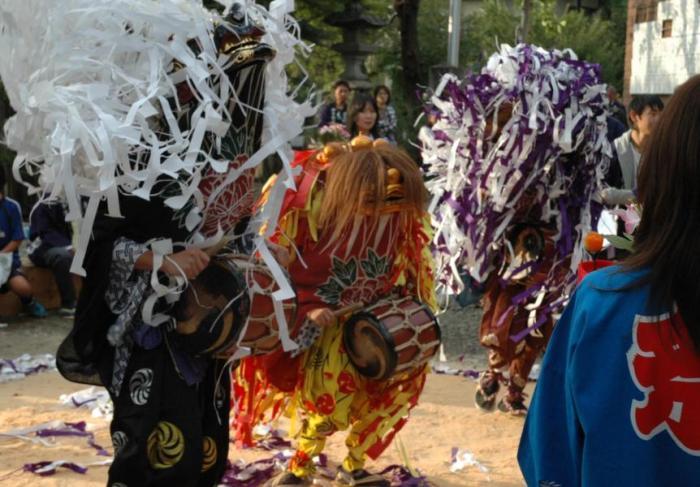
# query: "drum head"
[[211, 313], [369, 346]]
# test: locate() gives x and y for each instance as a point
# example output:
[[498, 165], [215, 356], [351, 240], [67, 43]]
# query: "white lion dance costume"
[[148, 119], [517, 161]]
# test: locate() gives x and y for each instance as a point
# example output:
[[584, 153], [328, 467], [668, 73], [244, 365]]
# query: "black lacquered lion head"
[[239, 37]]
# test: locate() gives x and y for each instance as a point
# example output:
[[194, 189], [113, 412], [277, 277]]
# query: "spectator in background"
[[50, 247], [336, 111], [613, 178], [617, 109], [362, 116], [387, 121], [11, 236], [644, 111]]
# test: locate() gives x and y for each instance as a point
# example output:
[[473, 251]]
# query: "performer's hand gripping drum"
[[230, 306], [392, 336]]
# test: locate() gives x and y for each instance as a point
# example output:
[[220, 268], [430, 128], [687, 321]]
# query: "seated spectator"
[[386, 121], [11, 236], [336, 110], [644, 111], [51, 247]]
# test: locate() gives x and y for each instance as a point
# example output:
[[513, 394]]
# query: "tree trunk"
[[525, 20], [407, 12]]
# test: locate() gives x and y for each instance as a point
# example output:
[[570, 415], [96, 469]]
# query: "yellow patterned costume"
[[379, 254]]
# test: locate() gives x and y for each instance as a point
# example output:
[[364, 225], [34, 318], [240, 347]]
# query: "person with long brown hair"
[[357, 233], [618, 399], [363, 116]]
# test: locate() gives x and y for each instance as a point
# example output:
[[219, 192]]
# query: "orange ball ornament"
[[332, 150], [381, 143], [593, 242], [361, 142]]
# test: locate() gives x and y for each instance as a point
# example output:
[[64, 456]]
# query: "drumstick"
[[350, 308], [214, 249]]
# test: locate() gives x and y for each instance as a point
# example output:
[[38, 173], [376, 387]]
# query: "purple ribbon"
[[34, 467], [74, 429]]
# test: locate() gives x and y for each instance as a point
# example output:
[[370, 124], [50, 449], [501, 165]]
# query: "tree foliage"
[[593, 37]]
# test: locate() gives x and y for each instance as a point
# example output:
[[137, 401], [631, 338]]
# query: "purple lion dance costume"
[[517, 161]]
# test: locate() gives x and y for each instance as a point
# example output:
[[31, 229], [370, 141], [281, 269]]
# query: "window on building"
[[667, 28], [646, 12]]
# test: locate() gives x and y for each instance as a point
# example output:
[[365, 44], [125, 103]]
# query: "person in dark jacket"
[[336, 110], [50, 247], [617, 109]]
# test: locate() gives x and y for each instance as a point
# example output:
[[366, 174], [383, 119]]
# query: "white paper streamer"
[[25, 365], [479, 177], [90, 81], [95, 399]]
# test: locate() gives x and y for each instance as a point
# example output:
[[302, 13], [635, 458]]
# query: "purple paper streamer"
[[253, 474], [34, 467], [401, 476], [8, 363], [529, 173], [78, 404], [469, 373], [74, 429]]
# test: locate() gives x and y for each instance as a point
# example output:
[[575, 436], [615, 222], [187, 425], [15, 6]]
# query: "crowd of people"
[[164, 312], [369, 113]]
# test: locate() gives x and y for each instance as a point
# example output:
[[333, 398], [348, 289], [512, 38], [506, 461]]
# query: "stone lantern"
[[356, 25]]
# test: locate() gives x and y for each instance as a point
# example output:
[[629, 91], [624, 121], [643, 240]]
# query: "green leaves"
[[346, 272], [330, 291], [375, 266], [346, 275], [622, 243]]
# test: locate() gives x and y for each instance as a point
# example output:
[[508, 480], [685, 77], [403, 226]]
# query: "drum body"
[[391, 336], [229, 306], [261, 334], [213, 310]]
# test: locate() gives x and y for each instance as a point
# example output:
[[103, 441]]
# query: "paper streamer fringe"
[[549, 159]]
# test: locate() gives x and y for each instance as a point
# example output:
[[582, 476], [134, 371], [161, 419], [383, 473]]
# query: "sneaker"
[[513, 403], [288, 479], [66, 312], [360, 477], [485, 397], [36, 309]]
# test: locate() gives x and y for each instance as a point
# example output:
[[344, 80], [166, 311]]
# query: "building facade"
[[663, 45]]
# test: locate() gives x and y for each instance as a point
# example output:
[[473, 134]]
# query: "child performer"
[[357, 232]]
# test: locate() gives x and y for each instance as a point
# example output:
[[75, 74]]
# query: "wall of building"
[[659, 64]]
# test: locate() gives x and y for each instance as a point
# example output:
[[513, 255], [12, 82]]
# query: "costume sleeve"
[[121, 273], [552, 441], [127, 289]]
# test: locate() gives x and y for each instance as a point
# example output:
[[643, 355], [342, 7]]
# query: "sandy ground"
[[445, 418]]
